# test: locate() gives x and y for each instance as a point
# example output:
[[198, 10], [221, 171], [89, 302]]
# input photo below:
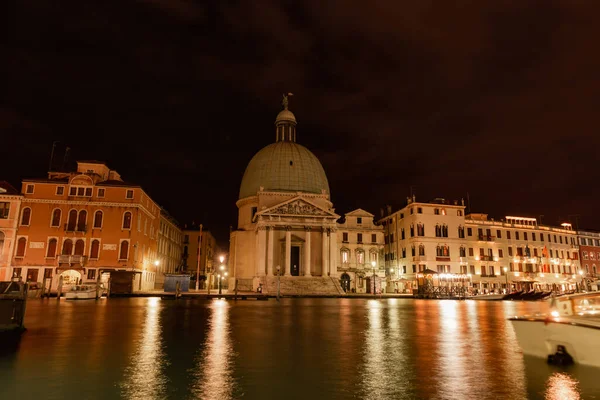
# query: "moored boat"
[[83, 292], [13, 298], [570, 332]]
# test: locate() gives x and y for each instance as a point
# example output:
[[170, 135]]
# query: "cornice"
[[90, 203]]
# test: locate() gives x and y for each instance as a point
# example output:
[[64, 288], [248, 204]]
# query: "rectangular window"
[[535, 253], [88, 192], [402, 233], [541, 237], [345, 237], [554, 238], [359, 220], [516, 235], [472, 269], [359, 237], [470, 252], [47, 273], [481, 252], [29, 189], [392, 238], [560, 239], [469, 232], [32, 274], [60, 190], [4, 210], [16, 272], [419, 210], [508, 235], [499, 234], [401, 215], [129, 194], [510, 252], [404, 269], [101, 192], [373, 238], [80, 191], [72, 191], [524, 235], [414, 268], [500, 253], [91, 274], [533, 236]]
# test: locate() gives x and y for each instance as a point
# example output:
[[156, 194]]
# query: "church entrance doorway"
[[295, 261], [345, 281]]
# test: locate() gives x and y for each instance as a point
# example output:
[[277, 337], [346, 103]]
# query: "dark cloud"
[[497, 99]]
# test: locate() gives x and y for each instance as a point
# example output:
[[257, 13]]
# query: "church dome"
[[284, 166]]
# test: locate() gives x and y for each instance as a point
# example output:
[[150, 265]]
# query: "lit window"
[[345, 256], [360, 257]]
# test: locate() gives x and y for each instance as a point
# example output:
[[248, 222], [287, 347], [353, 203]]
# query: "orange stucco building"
[[86, 226], [10, 204]]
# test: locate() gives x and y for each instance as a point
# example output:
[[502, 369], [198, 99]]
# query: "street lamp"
[[506, 275], [221, 275], [373, 264]]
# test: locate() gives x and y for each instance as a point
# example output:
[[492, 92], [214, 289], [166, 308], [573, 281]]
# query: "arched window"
[[412, 229], [26, 216], [67, 249], [81, 220], [373, 255], [345, 253], [438, 230], [124, 251], [444, 230], [56, 214], [79, 247], [461, 232], [127, 221], [463, 251], [98, 219], [443, 251], [72, 222], [21, 246], [360, 256], [1, 243], [587, 269], [52, 243], [420, 230], [95, 249], [421, 250]]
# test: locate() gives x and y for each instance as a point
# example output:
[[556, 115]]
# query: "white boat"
[[78, 292], [569, 332], [487, 297]]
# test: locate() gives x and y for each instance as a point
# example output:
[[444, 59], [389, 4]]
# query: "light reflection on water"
[[213, 371], [143, 378], [293, 349]]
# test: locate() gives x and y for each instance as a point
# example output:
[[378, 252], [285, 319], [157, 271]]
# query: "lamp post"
[[221, 275], [506, 276], [373, 264]]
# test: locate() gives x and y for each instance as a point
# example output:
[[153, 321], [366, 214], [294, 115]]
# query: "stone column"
[[256, 254], [307, 252], [288, 251], [262, 244], [324, 255], [271, 232], [333, 253]]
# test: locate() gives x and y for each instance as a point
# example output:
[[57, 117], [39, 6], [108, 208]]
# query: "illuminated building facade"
[[193, 238], [10, 205], [286, 220], [170, 237], [423, 237], [361, 243], [85, 226], [589, 254]]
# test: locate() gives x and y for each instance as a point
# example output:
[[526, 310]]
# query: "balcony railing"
[[72, 259], [486, 238], [76, 228]]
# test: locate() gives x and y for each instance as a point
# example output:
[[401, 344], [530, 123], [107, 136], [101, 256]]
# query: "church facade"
[[287, 233]]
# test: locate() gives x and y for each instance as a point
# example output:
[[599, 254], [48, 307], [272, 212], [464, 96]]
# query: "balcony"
[[76, 228], [72, 259], [486, 238], [442, 258]]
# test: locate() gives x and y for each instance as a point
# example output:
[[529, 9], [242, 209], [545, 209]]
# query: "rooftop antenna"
[[468, 203], [52, 155], [65, 158]]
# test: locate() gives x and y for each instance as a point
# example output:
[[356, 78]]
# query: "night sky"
[[498, 99]]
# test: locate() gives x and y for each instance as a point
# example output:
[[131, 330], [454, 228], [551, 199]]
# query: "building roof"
[[7, 188], [284, 167]]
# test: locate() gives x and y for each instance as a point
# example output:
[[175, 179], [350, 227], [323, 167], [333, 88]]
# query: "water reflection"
[[213, 374], [143, 376], [561, 386]]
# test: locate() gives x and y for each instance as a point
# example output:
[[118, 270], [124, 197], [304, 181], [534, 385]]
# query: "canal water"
[[148, 348]]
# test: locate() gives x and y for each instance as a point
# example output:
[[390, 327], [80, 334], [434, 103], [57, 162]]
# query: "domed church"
[[286, 221]]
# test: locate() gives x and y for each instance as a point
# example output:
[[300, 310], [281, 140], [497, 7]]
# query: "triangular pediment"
[[298, 206], [359, 212]]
